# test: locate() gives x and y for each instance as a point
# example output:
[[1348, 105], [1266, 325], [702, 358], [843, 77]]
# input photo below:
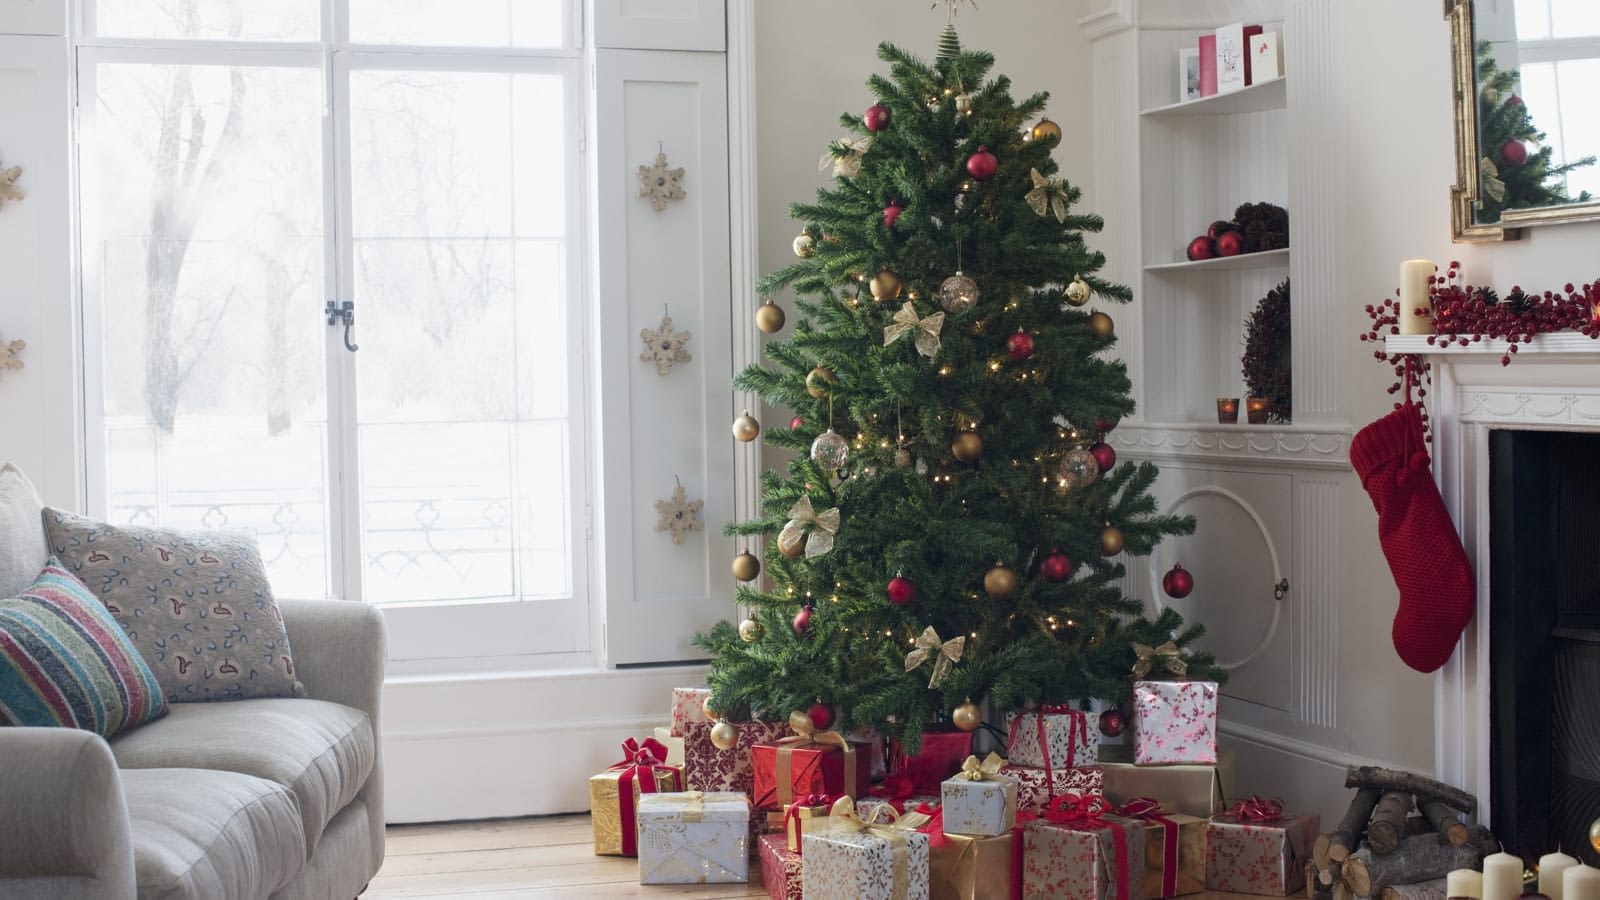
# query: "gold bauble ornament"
[[967, 716], [1046, 129], [724, 736], [1078, 292], [1594, 835], [1101, 326], [746, 567], [746, 428], [967, 446], [770, 317], [751, 631], [706, 707], [1000, 581], [794, 550], [964, 104], [818, 381], [805, 246], [885, 286], [1111, 542]]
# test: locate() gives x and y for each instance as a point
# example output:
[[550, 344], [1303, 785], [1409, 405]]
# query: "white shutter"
[[659, 25]]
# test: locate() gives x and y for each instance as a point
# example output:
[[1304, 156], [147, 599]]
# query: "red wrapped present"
[[1175, 849], [1254, 848], [1174, 722], [707, 769], [1035, 787], [809, 762], [1079, 850], [940, 757], [780, 868]]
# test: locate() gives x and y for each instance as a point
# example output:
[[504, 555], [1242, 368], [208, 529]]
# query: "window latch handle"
[[343, 314]]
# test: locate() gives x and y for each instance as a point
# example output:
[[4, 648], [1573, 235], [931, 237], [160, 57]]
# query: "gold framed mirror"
[[1523, 158]]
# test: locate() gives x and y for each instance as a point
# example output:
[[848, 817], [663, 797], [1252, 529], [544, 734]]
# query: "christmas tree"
[[1509, 175], [949, 497]]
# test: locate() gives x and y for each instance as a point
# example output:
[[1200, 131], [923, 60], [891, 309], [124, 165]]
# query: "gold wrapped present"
[[972, 868], [1191, 790], [1174, 849], [612, 811]]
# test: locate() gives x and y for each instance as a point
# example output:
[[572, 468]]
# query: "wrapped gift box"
[[694, 838], [962, 867], [688, 708], [784, 771], [1083, 860], [845, 863], [1174, 849], [674, 746], [705, 768], [939, 757], [1052, 737], [1191, 790], [1248, 851], [613, 812], [780, 868], [1174, 722], [978, 800], [795, 818], [1035, 787], [867, 807]]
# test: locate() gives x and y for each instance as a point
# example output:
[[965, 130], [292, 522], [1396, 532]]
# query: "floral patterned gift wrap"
[[1174, 722], [780, 868], [694, 838], [706, 768], [852, 859], [688, 706], [1254, 848], [1080, 851], [1035, 787], [1052, 737]]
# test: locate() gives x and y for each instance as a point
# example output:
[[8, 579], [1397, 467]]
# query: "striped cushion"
[[65, 662]]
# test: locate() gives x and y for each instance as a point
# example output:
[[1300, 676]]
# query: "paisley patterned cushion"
[[197, 604]]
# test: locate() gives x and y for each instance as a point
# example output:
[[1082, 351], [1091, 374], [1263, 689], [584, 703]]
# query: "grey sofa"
[[265, 798]]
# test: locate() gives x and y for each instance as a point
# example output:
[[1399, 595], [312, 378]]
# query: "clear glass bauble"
[[830, 450], [1078, 468], [958, 293]]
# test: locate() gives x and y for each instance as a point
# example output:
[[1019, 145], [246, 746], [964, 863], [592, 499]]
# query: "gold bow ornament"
[[1049, 195], [973, 770], [1167, 655], [806, 734], [944, 653], [845, 155], [1489, 180], [842, 819], [806, 525], [927, 329]]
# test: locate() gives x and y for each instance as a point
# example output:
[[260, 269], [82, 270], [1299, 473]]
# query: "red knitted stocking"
[[1437, 593]]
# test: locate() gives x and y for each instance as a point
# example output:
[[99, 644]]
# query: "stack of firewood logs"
[[1402, 834]]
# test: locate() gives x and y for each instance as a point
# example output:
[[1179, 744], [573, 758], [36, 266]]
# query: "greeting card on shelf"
[[1233, 58], [1266, 57]]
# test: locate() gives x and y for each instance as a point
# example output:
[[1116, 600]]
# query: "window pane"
[[1533, 19], [1574, 18], [460, 202], [463, 23], [203, 186], [249, 20]]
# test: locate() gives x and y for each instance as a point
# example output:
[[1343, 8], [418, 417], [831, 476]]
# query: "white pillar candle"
[[1414, 296], [1552, 867], [1502, 877], [1464, 883], [1580, 882]]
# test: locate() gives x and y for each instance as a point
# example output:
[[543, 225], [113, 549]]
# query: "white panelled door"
[[33, 17]]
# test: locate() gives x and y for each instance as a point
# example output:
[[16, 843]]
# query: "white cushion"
[[23, 551]]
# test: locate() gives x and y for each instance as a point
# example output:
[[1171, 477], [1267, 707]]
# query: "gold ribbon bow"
[[1489, 180], [803, 518], [842, 818], [845, 155], [946, 654], [973, 770], [1048, 195], [1167, 655], [806, 734], [927, 329]]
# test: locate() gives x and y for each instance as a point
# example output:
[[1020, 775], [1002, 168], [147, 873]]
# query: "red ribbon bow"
[[1256, 810], [897, 789], [1079, 724], [1149, 809], [1086, 813], [639, 764], [650, 753]]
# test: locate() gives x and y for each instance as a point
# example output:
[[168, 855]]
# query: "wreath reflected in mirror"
[[1266, 360]]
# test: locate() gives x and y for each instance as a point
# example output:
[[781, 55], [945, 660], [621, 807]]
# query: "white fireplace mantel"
[[1552, 383]]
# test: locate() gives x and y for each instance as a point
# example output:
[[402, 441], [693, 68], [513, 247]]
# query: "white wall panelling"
[[659, 24], [656, 428], [40, 17]]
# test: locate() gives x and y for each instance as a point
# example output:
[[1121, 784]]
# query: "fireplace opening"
[[1544, 645]]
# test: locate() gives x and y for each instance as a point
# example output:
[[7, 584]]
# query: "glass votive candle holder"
[[1255, 410], [1228, 410]]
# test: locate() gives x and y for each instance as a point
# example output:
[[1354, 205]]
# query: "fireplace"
[[1544, 645]]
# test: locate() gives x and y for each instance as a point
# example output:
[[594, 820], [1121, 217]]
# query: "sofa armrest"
[[64, 815], [339, 648]]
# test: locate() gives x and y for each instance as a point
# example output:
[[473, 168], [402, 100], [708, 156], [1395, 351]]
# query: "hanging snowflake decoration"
[[8, 184], [660, 183], [8, 355], [679, 515], [664, 347]]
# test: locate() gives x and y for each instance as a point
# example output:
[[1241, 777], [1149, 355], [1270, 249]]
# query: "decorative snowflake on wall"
[[679, 515], [665, 347], [660, 183], [8, 184], [8, 355]]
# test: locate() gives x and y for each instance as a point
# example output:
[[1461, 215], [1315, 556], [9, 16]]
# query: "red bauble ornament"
[[822, 715], [982, 165], [1112, 723], [1219, 228], [900, 590], [1178, 582], [891, 213], [802, 620], [795, 423], [1230, 243], [1055, 567], [1104, 426], [1020, 345], [1104, 456], [1514, 152], [877, 117], [1201, 248]]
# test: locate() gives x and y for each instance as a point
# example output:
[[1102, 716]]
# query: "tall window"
[[243, 163], [1558, 47]]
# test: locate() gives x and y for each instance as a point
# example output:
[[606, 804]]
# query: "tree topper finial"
[[950, 8]]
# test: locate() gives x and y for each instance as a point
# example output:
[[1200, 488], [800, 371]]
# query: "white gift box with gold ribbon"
[[694, 838], [847, 858], [978, 800]]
